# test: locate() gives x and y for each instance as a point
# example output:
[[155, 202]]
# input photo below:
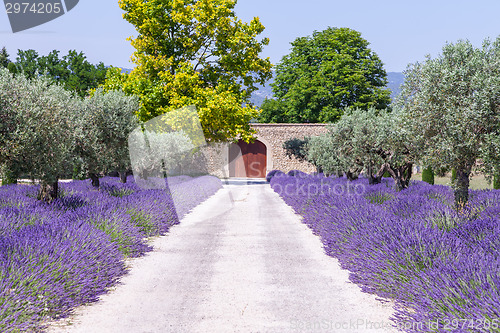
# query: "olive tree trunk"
[[123, 176], [373, 178], [401, 174], [351, 175], [49, 191], [462, 187], [94, 179]]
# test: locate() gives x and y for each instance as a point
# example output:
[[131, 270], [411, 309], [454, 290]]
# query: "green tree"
[[370, 140], [194, 52], [450, 105], [428, 175], [27, 63], [297, 148], [82, 76], [4, 58], [490, 155], [72, 71], [36, 131], [320, 153], [105, 121], [272, 111], [326, 73], [496, 182]]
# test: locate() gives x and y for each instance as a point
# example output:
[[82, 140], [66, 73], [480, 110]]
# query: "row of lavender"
[[441, 266], [54, 257]]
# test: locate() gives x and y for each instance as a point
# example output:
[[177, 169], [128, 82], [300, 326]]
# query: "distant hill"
[[395, 80], [263, 92]]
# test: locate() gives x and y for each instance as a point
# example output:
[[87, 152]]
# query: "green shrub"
[[441, 172], [297, 148], [8, 177], [428, 175], [496, 182], [453, 175]]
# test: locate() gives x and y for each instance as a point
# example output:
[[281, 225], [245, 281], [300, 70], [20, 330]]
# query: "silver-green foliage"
[[36, 131], [350, 144], [156, 153], [104, 122], [320, 152], [370, 140], [44, 128], [450, 104]]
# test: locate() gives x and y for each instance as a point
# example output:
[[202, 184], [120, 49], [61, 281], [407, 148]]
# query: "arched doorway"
[[247, 159]]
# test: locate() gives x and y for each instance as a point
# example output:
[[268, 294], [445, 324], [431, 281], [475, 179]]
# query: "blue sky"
[[400, 32]]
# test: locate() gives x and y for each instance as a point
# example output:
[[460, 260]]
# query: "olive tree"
[[105, 121], [36, 131], [490, 155], [158, 154], [320, 152], [450, 104], [371, 140], [8, 161]]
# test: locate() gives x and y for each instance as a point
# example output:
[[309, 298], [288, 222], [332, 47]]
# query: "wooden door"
[[247, 160]]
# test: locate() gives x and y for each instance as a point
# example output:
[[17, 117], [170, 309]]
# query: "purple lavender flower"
[[54, 257], [441, 266]]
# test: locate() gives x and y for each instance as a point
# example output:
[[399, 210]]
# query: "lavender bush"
[[442, 267], [54, 257]]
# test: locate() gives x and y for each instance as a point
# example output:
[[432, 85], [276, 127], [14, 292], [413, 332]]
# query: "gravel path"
[[240, 262]]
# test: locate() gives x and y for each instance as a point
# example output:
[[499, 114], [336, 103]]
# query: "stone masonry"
[[272, 136]]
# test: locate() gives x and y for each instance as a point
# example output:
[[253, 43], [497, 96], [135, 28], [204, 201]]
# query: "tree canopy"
[[194, 52], [36, 131], [451, 106], [372, 141], [324, 74], [104, 122], [72, 71], [4, 58], [45, 128]]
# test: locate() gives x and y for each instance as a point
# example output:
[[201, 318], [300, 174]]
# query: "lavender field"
[[442, 267], [57, 256]]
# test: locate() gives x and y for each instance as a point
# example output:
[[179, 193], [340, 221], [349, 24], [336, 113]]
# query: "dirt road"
[[240, 262]]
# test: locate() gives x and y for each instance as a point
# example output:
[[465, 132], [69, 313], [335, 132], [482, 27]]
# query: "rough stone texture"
[[275, 135], [216, 156]]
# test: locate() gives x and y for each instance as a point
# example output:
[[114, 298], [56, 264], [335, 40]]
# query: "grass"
[[477, 182]]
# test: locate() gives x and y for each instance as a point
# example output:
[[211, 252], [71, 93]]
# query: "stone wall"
[[217, 159], [272, 136]]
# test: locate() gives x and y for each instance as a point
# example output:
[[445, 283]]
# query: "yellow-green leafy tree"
[[194, 52]]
